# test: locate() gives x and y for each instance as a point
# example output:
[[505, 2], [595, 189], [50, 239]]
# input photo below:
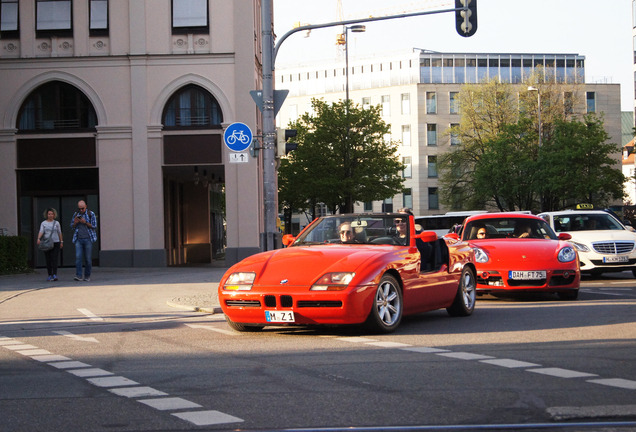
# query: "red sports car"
[[351, 269], [520, 252]]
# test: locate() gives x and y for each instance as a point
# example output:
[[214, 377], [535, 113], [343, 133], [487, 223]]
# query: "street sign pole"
[[269, 131]]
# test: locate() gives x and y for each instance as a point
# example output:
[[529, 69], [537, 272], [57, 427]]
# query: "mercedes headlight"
[[579, 246]]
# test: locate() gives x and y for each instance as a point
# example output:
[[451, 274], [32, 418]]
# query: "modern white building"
[[123, 103], [418, 91]]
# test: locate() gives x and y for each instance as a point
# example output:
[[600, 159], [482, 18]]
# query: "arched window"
[[192, 107], [57, 106]]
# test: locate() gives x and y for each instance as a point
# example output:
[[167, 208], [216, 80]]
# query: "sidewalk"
[[198, 279]]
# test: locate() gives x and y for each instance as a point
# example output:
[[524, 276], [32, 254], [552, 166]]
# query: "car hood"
[[303, 265], [527, 250], [601, 235]]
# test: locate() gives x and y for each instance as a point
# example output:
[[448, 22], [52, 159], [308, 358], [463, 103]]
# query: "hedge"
[[13, 255]]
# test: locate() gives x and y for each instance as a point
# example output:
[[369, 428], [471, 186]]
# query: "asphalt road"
[[128, 352]]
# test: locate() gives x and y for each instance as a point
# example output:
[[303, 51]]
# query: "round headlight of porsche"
[[567, 254], [240, 281], [333, 281], [579, 246], [480, 255]]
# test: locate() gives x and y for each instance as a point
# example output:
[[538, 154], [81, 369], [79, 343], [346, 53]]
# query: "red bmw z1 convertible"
[[351, 269], [520, 252]]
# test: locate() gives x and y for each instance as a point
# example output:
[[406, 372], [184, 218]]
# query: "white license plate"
[[526, 275], [616, 259], [282, 317]]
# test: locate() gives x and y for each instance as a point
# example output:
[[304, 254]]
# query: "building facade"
[[123, 104], [418, 93]]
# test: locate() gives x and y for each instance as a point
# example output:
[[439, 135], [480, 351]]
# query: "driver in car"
[[346, 232]]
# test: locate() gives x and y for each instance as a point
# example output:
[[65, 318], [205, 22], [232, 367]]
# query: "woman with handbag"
[[50, 241]]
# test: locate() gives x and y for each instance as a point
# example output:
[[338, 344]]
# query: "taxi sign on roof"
[[585, 206]]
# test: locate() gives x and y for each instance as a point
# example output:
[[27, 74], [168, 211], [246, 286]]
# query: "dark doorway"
[[61, 190]]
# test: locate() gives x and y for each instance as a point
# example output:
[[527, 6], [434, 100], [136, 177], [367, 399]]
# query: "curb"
[[210, 310]]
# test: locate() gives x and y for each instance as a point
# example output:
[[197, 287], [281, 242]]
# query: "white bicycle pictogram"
[[238, 135]]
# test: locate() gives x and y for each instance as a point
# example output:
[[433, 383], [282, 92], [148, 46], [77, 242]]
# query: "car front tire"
[[386, 311], [464, 303], [242, 327]]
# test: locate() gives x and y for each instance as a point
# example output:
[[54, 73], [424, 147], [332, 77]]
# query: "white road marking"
[[602, 411], [10, 342], [205, 418], [132, 392], [603, 293], [69, 364], [115, 381], [165, 404], [388, 344], [561, 373], [509, 363], [426, 350], [616, 382], [50, 358], [465, 356], [224, 331], [91, 315], [91, 372], [357, 339], [34, 352], [76, 337], [20, 347]]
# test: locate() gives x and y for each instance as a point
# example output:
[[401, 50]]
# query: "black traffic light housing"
[[466, 18], [282, 146]]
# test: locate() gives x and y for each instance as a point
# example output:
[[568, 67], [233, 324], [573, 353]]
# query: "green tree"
[[577, 165], [341, 158], [502, 162]]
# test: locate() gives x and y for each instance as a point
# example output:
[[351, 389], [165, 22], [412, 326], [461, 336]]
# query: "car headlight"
[[333, 282], [481, 256], [579, 246], [241, 281], [567, 254]]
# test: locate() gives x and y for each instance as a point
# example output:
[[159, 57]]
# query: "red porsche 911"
[[351, 269], [519, 252]]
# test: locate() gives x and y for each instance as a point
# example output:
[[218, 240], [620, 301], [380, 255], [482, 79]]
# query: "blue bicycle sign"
[[237, 137]]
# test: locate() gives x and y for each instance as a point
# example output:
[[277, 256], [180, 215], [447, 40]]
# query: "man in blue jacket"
[[84, 224]]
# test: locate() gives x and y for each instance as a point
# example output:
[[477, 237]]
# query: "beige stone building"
[[123, 103], [417, 91]]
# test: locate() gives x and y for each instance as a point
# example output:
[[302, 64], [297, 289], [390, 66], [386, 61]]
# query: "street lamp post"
[[358, 28], [532, 89]]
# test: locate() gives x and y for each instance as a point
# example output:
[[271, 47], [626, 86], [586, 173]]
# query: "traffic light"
[[282, 146], [466, 19]]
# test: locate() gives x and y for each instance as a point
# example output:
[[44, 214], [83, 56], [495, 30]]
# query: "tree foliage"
[[341, 158], [501, 161]]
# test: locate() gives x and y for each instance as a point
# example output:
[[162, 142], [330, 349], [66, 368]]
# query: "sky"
[[600, 30]]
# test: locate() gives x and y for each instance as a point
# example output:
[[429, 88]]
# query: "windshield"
[[508, 227], [585, 222], [358, 229]]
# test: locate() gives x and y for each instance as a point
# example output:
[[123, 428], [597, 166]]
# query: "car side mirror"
[[452, 236], [288, 239], [629, 228], [564, 236], [426, 236]]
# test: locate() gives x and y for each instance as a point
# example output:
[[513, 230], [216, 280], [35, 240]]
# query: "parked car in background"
[[517, 252], [351, 269], [603, 243]]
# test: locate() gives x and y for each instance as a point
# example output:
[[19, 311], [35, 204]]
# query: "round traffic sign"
[[237, 137]]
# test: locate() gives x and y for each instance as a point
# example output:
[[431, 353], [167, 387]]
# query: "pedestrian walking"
[[50, 241], [84, 223]]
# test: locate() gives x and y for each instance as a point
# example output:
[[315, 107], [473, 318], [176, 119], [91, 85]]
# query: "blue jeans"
[[83, 247]]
